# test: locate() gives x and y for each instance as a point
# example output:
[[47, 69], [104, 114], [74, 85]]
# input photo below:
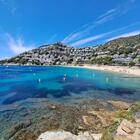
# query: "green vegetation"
[[106, 135], [125, 50], [131, 64], [22, 61], [139, 60], [127, 41], [105, 61]]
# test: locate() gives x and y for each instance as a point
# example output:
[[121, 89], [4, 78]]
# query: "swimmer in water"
[[65, 76]]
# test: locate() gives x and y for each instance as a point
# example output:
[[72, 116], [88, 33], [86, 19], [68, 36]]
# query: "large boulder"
[[62, 135], [128, 130]]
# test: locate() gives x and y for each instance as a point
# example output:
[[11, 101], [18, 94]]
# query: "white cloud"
[[78, 33], [72, 37], [117, 31], [18, 46], [85, 29], [125, 35], [109, 15], [88, 39]]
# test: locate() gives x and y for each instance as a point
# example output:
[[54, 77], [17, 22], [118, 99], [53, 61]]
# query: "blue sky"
[[27, 24]]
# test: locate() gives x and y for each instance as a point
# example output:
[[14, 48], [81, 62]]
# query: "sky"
[[28, 24]]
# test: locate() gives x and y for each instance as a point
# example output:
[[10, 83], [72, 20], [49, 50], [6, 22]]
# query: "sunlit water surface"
[[63, 84]]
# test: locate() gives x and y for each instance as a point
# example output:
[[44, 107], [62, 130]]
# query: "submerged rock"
[[105, 117], [120, 104], [86, 119], [18, 127]]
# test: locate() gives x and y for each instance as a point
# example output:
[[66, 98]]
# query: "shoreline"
[[132, 71]]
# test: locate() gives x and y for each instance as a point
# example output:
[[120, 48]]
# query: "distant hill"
[[122, 51]]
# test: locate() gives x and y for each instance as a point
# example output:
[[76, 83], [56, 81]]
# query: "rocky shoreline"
[[87, 118]]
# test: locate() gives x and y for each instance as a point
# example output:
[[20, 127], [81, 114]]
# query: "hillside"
[[122, 51]]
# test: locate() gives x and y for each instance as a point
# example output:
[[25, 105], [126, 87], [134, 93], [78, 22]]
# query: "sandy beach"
[[134, 71]]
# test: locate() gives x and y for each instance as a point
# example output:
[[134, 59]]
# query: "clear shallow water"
[[18, 83]]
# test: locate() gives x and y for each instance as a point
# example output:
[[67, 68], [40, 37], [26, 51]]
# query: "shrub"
[[106, 60], [139, 60], [131, 64]]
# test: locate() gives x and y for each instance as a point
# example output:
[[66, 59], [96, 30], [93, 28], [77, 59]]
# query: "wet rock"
[[8, 107], [120, 104], [92, 123], [17, 128], [105, 117], [95, 105], [52, 107], [24, 134]]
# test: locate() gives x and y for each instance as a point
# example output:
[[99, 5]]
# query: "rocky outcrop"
[[129, 130], [63, 135]]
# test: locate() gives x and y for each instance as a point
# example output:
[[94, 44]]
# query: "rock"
[[120, 104], [105, 117], [92, 123], [62, 135], [136, 135], [126, 127], [84, 138], [18, 127], [97, 136], [94, 136], [137, 115], [90, 120], [51, 107], [128, 131]]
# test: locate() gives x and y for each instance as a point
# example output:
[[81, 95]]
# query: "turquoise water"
[[63, 84]]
